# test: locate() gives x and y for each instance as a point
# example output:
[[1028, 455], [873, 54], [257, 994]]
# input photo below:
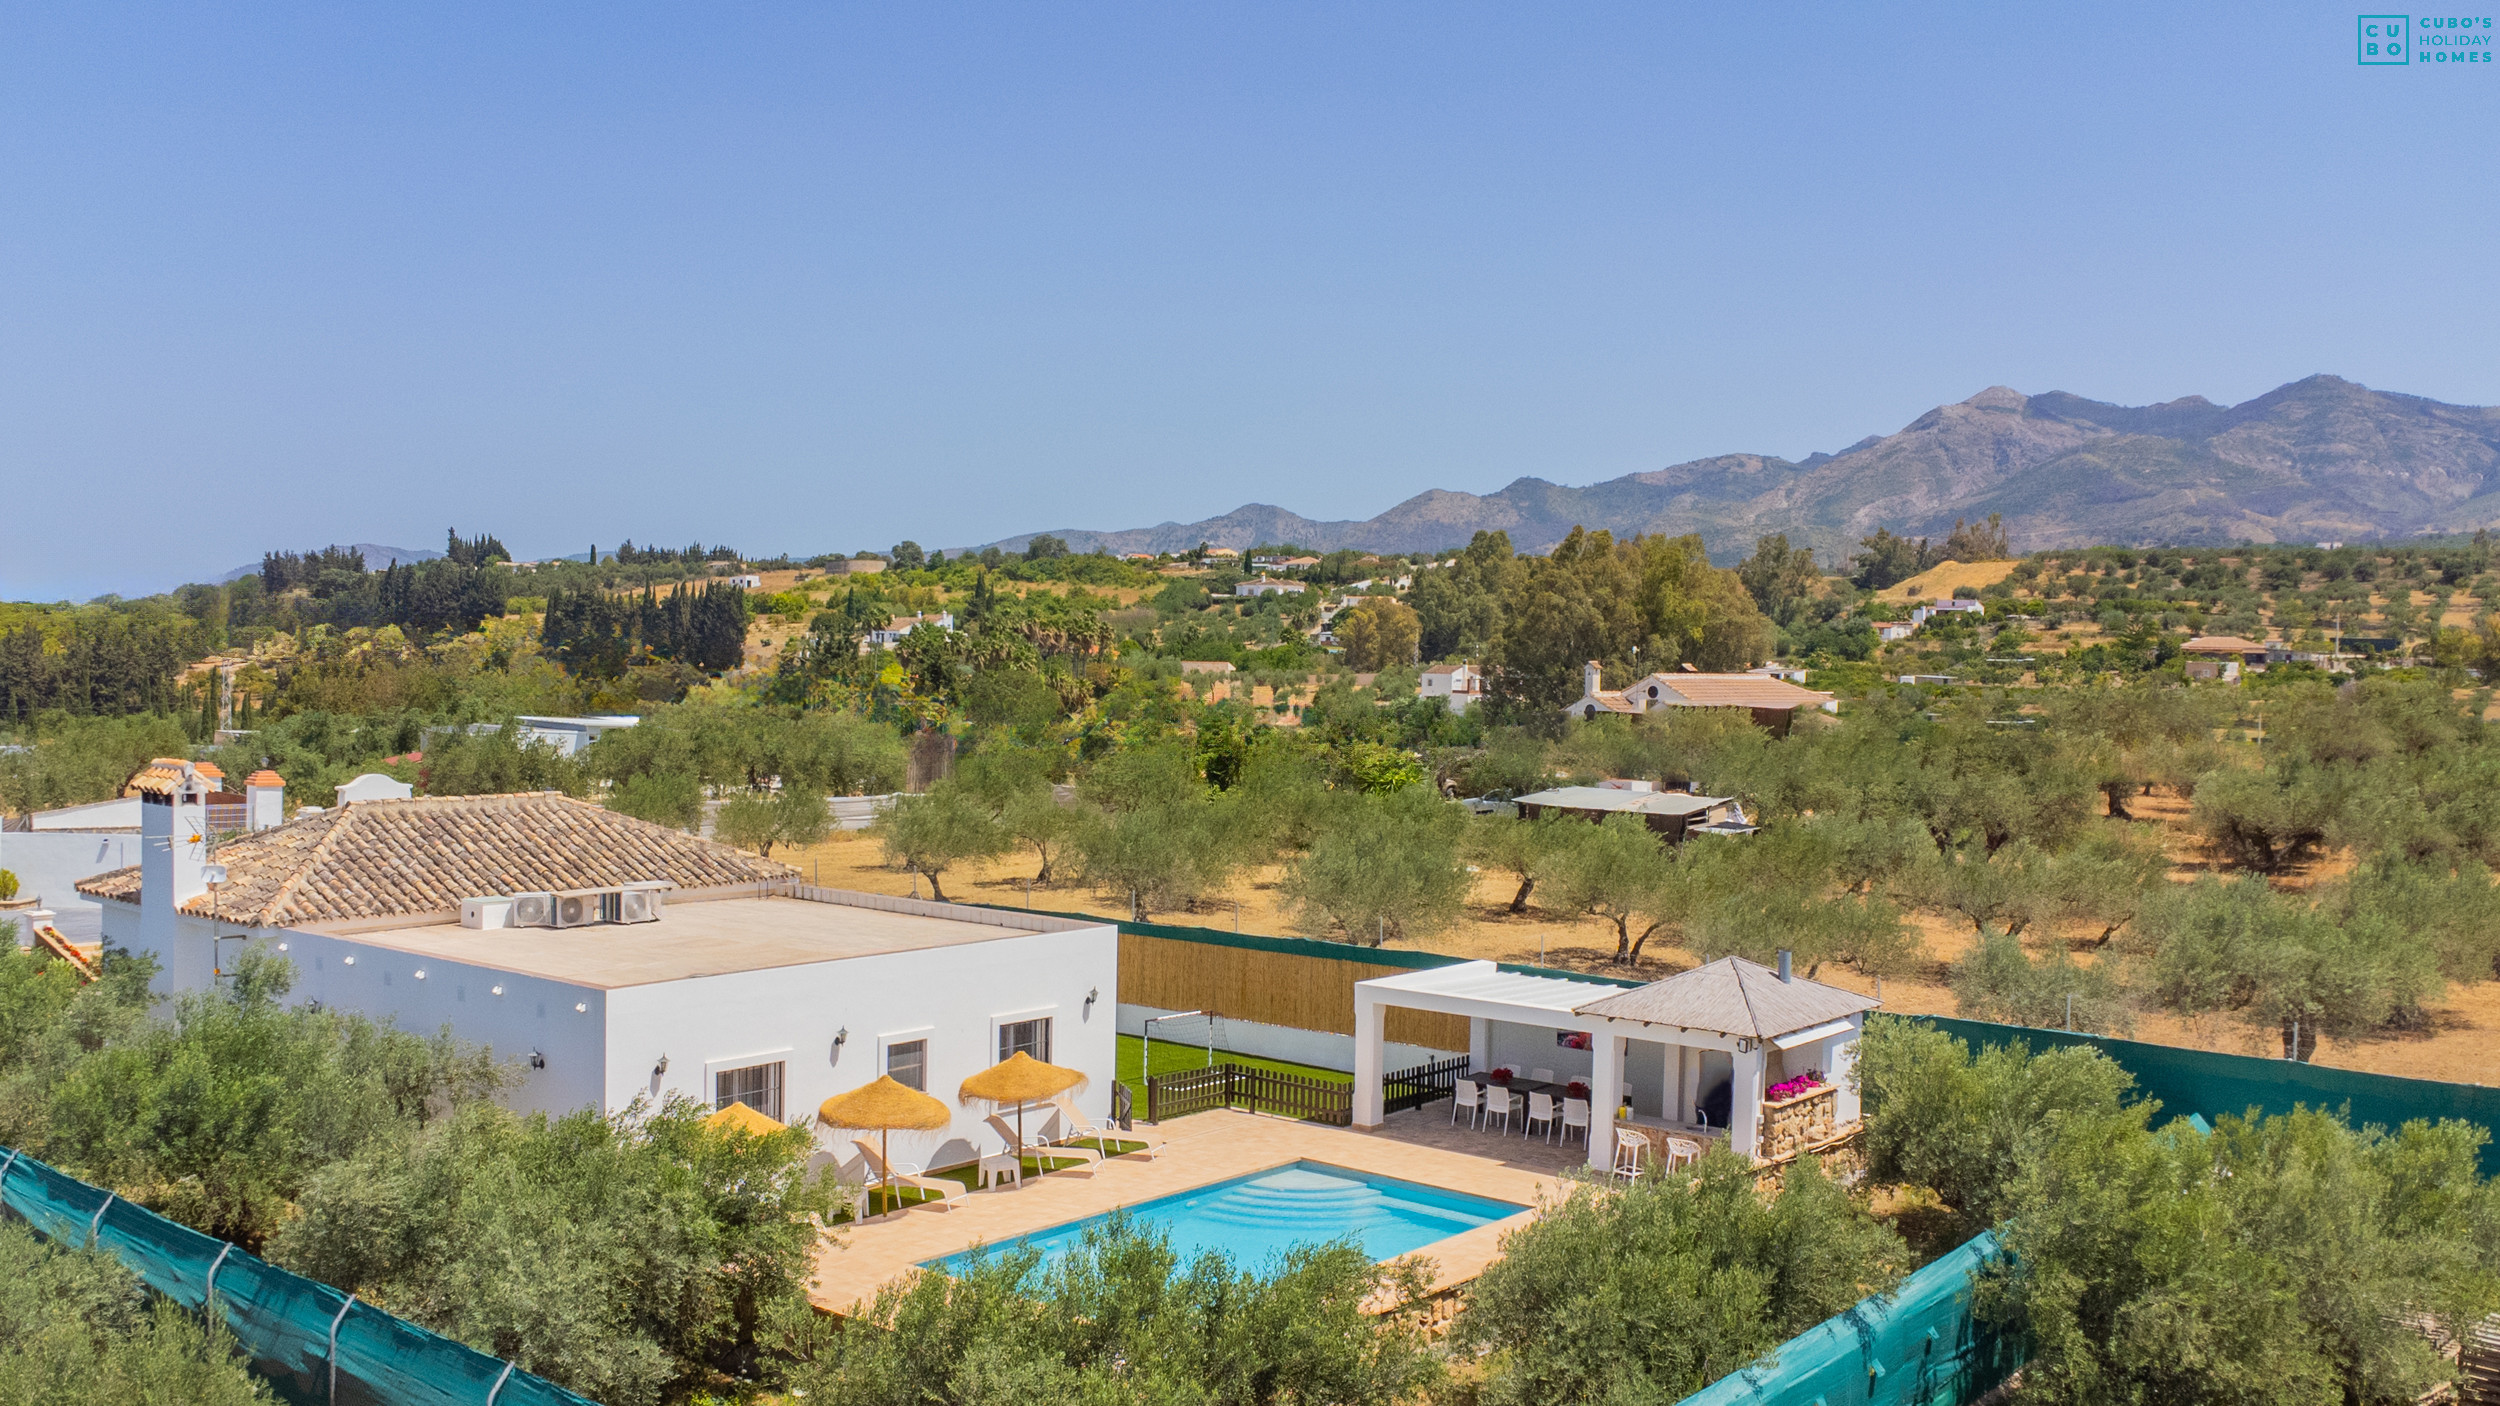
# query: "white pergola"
[[1731, 1010]]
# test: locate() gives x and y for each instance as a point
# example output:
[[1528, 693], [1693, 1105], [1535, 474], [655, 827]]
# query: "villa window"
[[758, 1086], [907, 1063], [1030, 1037]]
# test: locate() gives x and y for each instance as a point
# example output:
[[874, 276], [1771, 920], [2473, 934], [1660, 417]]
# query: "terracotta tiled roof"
[[2222, 644], [1727, 691], [264, 777], [160, 777], [379, 859]]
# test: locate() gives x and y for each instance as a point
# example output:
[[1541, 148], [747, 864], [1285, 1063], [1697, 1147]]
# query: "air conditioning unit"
[[576, 908], [533, 910], [638, 905]]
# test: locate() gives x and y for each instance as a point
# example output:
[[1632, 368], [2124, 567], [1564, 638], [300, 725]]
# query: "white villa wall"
[[603, 1055], [533, 1013], [1318, 1048], [1526, 1047], [954, 997], [49, 865]]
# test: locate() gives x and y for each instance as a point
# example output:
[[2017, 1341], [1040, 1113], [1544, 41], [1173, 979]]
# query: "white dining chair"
[[1499, 1101], [1466, 1098], [1540, 1110], [1575, 1114], [1631, 1150], [1542, 1076]]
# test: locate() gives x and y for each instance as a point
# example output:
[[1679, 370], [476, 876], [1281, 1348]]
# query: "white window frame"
[[714, 1068], [1007, 1018], [925, 1034]]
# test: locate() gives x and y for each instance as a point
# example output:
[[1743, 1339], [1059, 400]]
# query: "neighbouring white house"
[[899, 626], [1895, 630], [569, 735], [1269, 586], [1696, 1054], [1461, 684], [614, 959], [1947, 605], [1772, 702], [119, 813], [749, 581], [1671, 815]]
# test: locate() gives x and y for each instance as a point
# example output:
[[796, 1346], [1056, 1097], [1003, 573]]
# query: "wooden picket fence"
[[1230, 1085]]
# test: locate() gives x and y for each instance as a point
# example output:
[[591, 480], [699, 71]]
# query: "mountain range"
[[376, 557], [2318, 458]]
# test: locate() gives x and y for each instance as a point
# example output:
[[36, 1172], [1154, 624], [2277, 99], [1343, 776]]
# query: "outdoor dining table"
[[1525, 1087]]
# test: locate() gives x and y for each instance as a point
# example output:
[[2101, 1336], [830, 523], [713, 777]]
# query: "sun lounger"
[[1007, 1134], [1078, 1129], [945, 1190]]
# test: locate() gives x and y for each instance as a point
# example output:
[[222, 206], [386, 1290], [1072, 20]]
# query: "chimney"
[[1784, 961], [1589, 676], [264, 800], [173, 836]]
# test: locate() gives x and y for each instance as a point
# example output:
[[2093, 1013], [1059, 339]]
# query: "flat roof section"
[[714, 938]]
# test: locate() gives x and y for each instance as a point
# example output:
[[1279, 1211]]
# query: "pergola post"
[[1744, 1115], [1840, 1066], [1479, 1043], [1370, 1025], [1605, 1094]]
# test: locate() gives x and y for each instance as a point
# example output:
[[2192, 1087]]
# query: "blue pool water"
[[1253, 1218]]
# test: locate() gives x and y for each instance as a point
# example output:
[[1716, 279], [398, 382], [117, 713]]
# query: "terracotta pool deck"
[[1203, 1148]]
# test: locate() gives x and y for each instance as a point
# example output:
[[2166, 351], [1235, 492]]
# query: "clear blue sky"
[[815, 277]]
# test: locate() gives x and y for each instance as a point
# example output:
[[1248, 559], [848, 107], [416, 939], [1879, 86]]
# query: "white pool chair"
[[1500, 1102], [1575, 1114], [1540, 1110]]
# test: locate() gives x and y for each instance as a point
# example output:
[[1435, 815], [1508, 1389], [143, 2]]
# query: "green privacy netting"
[[2202, 1082], [284, 1323], [1923, 1348], [1920, 1347]]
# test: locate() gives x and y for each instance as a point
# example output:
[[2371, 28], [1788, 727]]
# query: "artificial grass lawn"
[[880, 1199], [1176, 1058], [1170, 1058]]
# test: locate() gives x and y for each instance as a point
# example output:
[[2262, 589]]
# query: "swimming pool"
[[1253, 1218]]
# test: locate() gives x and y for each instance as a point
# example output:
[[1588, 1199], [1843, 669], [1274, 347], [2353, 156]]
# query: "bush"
[[219, 1116], [76, 1329], [1122, 1319], [1956, 1124], [1648, 1294], [2279, 1262], [627, 1257]]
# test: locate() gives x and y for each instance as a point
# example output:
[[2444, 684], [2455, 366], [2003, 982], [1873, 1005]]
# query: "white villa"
[[1694, 1054], [1461, 684], [1772, 702], [614, 959]]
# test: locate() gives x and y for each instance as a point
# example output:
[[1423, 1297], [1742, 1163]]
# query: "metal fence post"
[[97, 1219], [497, 1389], [208, 1295], [334, 1347]]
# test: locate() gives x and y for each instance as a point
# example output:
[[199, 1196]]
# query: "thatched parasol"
[[881, 1106], [1019, 1079], [746, 1119]]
